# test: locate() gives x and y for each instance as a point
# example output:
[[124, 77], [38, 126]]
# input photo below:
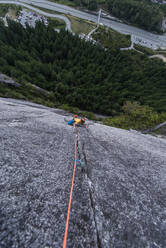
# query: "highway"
[[153, 39], [156, 40]]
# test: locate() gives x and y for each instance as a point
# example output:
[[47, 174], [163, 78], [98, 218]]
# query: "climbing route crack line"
[[71, 190]]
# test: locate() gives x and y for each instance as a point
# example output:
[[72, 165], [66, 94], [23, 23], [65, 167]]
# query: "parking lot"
[[30, 18]]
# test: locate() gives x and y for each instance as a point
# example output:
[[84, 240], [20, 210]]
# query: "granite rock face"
[[119, 197], [7, 80]]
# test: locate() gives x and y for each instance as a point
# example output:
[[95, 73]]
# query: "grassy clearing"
[[11, 8], [110, 38], [12, 13], [145, 50], [80, 26], [57, 23]]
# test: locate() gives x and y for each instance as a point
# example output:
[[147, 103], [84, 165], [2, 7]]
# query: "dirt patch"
[[12, 13]]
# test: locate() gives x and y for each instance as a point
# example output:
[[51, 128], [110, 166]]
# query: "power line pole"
[[98, 19]]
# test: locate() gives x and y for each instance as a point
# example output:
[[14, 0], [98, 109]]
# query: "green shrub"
[[136, 116], [88, 115]]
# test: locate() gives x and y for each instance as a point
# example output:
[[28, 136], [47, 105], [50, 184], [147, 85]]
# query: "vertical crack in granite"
[[91, 196]]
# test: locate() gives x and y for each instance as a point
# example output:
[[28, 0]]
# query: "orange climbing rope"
[[71, 190]]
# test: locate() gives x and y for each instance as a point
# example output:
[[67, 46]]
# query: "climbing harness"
[[71, 190]]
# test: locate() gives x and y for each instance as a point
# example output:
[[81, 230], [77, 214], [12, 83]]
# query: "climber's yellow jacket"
[[78, 121]]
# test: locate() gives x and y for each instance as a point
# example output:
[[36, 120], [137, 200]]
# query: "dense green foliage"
[[79, 73], [89, 4], [136, 117], [28, 92], [143, 13], [3, 10]]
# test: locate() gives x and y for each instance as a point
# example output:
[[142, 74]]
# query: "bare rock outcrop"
[[7, 80]]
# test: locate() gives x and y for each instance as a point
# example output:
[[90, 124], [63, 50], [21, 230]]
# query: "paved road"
[[155, 40], [64, 18], [118, 201]]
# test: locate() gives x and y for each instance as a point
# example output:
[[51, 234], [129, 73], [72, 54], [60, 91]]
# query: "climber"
[[77, 121]]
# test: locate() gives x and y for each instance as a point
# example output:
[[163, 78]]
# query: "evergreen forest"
[[143, 13], [80, 73]]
